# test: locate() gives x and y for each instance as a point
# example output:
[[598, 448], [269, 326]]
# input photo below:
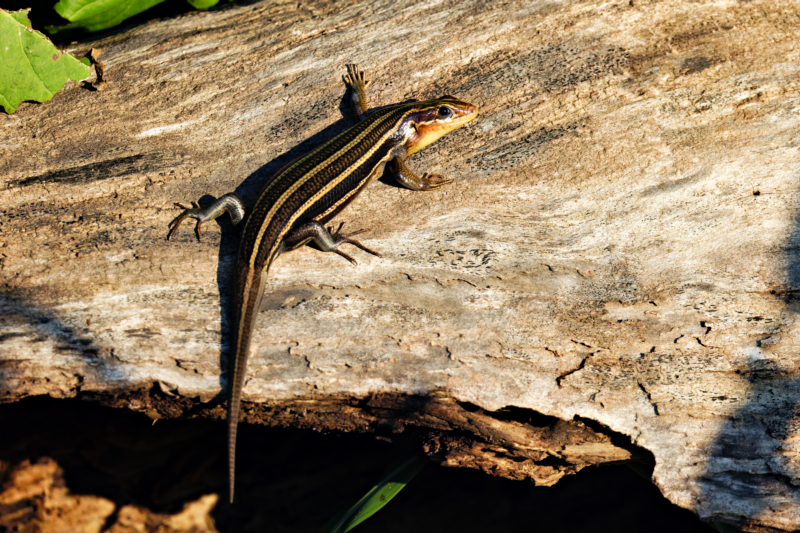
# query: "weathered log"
[[619, 249]]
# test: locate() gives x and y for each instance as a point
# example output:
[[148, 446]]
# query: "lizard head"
[[433, 118]]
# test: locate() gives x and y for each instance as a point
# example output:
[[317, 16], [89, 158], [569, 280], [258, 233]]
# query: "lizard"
[[297, 201]]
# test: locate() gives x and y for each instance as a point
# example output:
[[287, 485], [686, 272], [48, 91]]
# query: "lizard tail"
[[246, 320]]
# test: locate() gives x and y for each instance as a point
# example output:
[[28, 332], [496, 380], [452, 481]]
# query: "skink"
[[296, 203]]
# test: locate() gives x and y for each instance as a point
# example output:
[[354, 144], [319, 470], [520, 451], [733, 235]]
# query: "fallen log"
[[618, 251]]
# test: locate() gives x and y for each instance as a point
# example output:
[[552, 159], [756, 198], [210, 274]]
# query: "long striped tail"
[[245, 322]]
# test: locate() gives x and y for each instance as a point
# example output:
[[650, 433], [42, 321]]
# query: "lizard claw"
[[431, 182], [340, 238], [194, 212], [355, 77]]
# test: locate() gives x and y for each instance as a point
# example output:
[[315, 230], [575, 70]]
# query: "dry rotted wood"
[[620, 244], [36, 498]]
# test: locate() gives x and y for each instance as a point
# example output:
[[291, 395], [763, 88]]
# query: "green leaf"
[[96, 15], [393, 482], [203, 4], [31, 68], [21, 16]]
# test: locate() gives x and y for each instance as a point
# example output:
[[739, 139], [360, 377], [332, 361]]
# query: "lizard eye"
[[444, 111]]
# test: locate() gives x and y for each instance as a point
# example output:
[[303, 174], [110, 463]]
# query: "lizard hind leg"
[[228, 203], [327, 239]]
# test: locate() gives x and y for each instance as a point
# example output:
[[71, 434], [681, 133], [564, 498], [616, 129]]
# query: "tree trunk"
[[618, 250]]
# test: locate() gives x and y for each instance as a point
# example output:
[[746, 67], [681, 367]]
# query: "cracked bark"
[[649, 397], [623, 220]]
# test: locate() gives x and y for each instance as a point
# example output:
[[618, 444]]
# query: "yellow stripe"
[[313, 172], [325, 190], [277, 205], [264, 224], [347, 196], [430, 105]]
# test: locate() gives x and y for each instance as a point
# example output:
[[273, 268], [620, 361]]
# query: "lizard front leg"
[[406, 177], [356, 81]]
